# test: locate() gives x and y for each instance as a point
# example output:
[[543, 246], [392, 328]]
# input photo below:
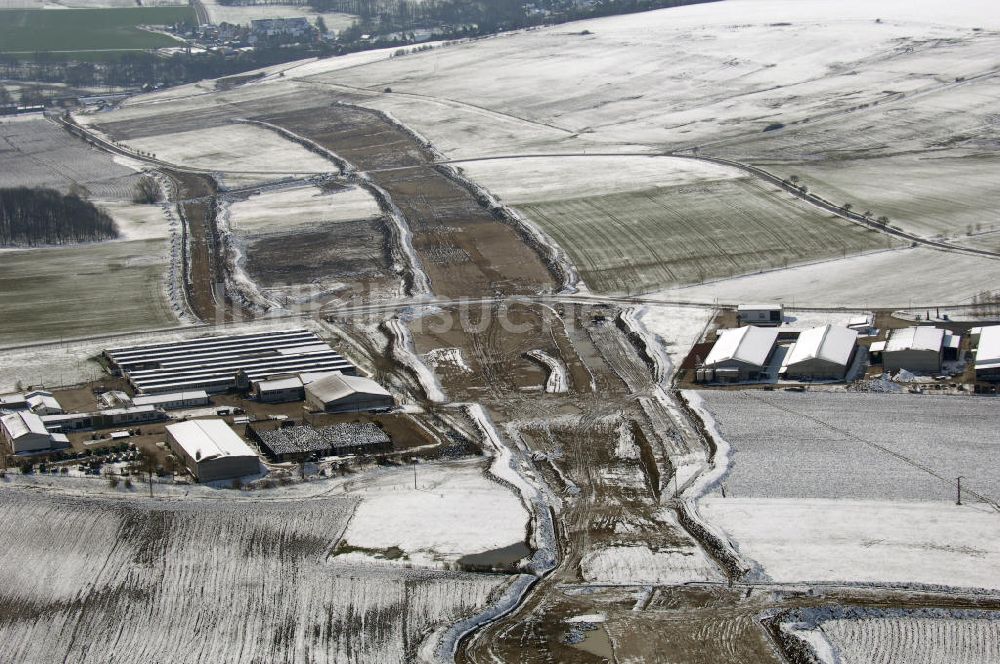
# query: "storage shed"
[[740, 354], [212, 450], [337, 393], [821, 353], [762, 315], [25, 432], [917, 349], [41, 402], [279, 390], [988, 354]]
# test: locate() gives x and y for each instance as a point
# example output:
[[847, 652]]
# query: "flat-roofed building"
[[212, 450], [821, 353], [762, 315], [24, 431], [920, 349], [338, 393], [279, 390], [173, 400], [988, 354], [739, 354]]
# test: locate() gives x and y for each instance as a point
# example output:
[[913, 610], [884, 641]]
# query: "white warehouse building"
[[821, 353], [740, 354], [917, 349], [338, 393], [212, 450], [25, 432]]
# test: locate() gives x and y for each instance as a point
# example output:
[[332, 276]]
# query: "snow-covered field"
[[37, 153], [855, 488], [288, 210], [453, 511], [678, 328], [209, 580], [853, 541], [637, 565], [684, 67], [136, 221], [857, 445], [890, 279], [539, 179], [873, 636], [235, 147], [242, 14]]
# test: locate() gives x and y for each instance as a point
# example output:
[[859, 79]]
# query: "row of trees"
[[31, 217]]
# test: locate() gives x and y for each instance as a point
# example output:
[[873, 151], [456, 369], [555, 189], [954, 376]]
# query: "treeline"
[[136, 69], [31, 217], [459, 18]]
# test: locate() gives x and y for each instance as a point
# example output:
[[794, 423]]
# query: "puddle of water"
[[597, 642], [503, 557]]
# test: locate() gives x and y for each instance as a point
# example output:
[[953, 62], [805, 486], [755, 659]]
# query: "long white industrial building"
[[212, 363]]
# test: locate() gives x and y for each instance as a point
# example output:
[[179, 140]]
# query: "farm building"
[[988, 354], [762, 315], [279, 390], [337, 393], [112, 417], [173, 400], [739, 354], [269, 27], [336, 440], [15, 401], [213, 363], [821, 353], [212, 450], [114, 399], [25, 432], [918, 349], [41, 402]]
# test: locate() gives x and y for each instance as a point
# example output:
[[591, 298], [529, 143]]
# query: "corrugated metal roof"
[[915, 338], [209, 439], [750, 345], [22, 424], [289, 383], [827, 342], [338, 386]]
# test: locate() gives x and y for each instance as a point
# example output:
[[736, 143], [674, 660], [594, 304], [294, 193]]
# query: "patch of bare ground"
[[204, 267], [464, 248], [349, 259]]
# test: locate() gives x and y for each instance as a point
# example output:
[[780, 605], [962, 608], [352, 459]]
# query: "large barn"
[[739, 354], [212, 364], [337, 440], [212, 450], [25, 432], [337, 393], [920, 349], [821, 353]]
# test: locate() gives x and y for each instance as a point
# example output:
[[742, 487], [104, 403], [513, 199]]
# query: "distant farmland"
[[656, 238], [33, 30]]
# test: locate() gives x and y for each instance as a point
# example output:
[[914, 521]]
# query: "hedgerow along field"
[[668, 236], [29, 31]]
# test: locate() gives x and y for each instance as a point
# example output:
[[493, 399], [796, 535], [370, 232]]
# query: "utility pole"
[[958, 499], [414, 477]]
